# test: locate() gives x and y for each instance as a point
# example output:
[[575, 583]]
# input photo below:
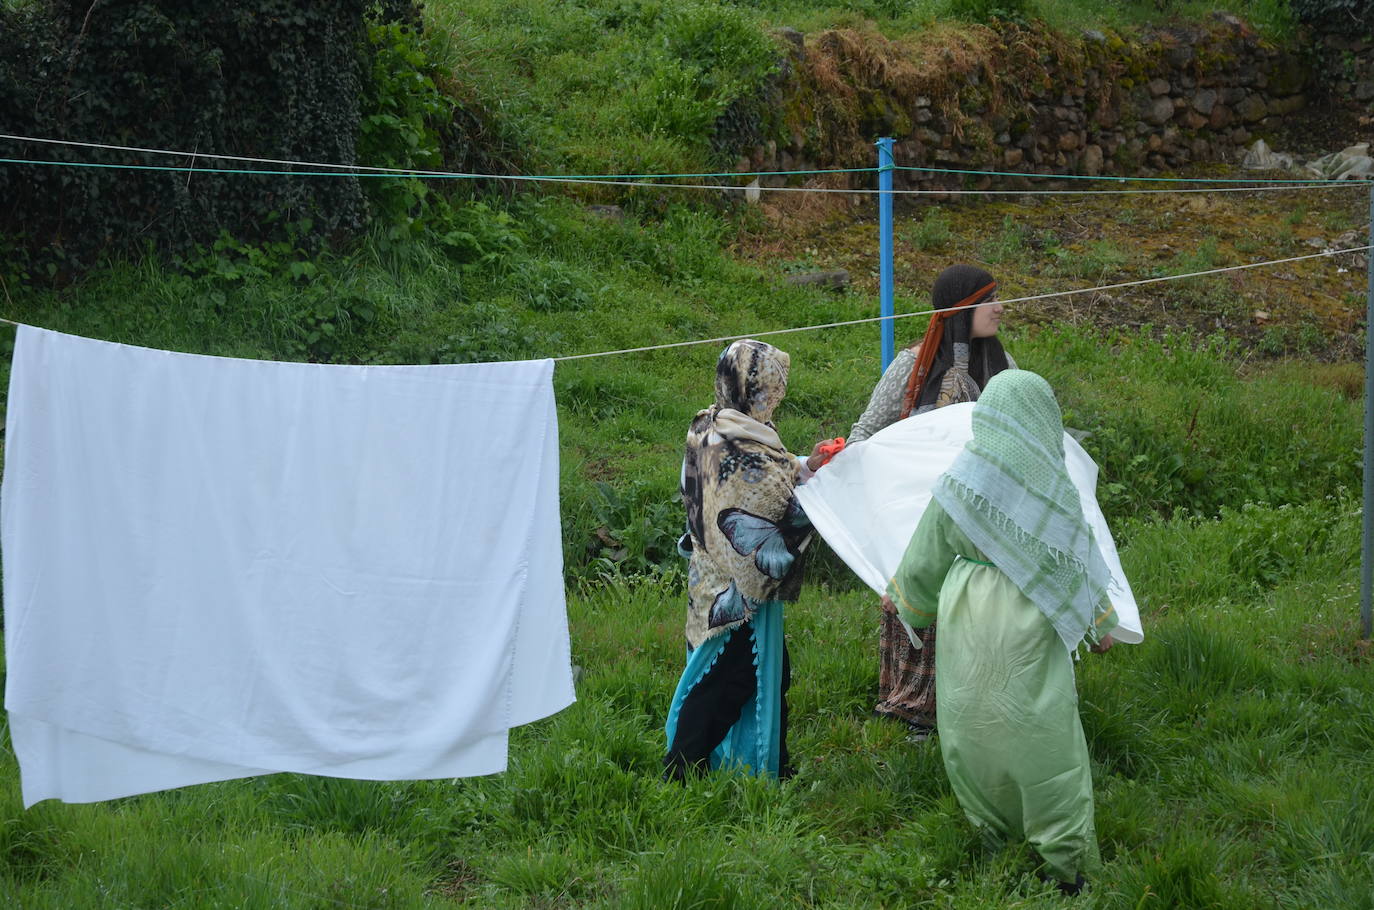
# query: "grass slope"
[[641, 86], [1231, 750], [1230, 756]]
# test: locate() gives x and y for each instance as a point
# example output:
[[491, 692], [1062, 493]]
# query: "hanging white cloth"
[[216, 568], [867, 501]]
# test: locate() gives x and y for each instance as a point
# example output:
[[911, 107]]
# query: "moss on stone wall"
[[1041, 100]]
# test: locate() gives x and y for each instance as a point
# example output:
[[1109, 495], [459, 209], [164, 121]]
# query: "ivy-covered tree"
[[276, 79]]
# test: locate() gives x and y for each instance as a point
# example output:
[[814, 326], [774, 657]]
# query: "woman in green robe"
[[1004, 561]]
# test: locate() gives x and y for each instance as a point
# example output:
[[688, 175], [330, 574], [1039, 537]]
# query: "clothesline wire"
[[947, 170], [734, 188], [412, 172], [895, 316], [927, 313], [1131, 192], [351, 170]]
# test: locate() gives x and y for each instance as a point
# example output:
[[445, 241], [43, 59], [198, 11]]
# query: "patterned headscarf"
[[1010, 492], [745, 531], [958, 364], [751, 377]]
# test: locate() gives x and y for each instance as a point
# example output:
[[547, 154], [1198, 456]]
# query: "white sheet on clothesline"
[[216, 568]]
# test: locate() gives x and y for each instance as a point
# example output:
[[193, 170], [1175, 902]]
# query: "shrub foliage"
[[261, 78]]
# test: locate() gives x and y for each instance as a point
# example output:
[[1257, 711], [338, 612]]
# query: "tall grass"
[[1230, 750], [639, 86], [610, 87], [1230, 761], [1177, 423]]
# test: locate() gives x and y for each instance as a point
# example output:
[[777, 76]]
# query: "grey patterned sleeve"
[[885, 404]]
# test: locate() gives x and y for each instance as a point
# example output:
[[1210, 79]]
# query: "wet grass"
[[1230, 759], [1230, 750]]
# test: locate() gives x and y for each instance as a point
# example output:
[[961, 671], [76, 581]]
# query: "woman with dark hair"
[[951, 363]]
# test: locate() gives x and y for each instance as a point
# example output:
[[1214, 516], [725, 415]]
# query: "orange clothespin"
[[831, 448]]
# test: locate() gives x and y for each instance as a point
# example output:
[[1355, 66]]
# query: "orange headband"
[[930, 344]]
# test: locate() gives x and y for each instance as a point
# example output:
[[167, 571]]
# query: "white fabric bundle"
[[867, 501], [216, 568]]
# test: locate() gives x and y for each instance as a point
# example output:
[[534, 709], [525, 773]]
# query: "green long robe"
[[1010, 735]]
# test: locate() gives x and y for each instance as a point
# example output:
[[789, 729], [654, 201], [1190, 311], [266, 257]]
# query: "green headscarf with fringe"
[[1010, 492]]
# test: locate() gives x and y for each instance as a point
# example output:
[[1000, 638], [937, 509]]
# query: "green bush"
[[714, 55], [268, 78], [1099, 260], [402, 107], [636, 532], [1197, 437], [1271, 545], [988, 10]]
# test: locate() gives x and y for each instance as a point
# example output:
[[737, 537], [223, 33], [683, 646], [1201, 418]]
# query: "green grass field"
[[636, 86], [1233, 751]]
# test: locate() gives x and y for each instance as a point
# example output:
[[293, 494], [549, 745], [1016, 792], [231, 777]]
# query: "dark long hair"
[[986, 358]]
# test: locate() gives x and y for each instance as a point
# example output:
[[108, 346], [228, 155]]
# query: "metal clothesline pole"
[[885, 246]]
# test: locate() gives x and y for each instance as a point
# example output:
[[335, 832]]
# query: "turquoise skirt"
[[753, 744]]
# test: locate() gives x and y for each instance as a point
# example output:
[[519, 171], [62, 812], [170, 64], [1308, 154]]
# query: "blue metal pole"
[[1366, 563], [885, 245]]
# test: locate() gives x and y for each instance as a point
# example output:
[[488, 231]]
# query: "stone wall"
[[1027, 102], [1345, 66]]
